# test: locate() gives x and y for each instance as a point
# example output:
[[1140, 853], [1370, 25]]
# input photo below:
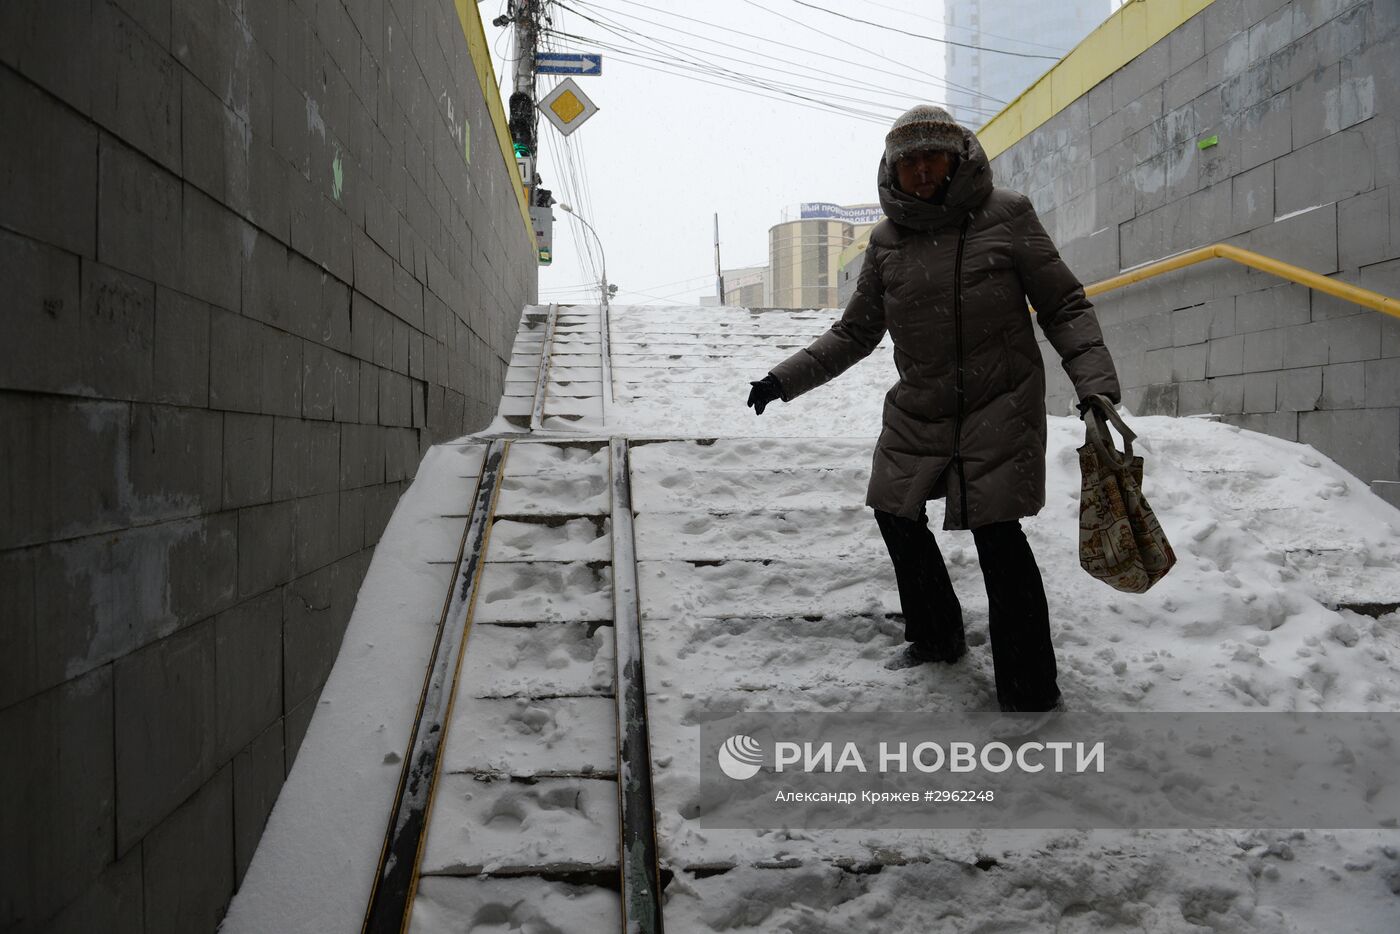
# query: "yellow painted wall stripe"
[[475, 34], [1133, 29]]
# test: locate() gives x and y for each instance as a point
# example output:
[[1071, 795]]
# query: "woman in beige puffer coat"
[[947, 274]]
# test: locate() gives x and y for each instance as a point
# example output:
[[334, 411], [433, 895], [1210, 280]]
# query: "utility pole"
[[719, 274], [523, 120], [526, 35]]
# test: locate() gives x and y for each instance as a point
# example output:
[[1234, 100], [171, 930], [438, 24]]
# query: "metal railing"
[[1343, 290]]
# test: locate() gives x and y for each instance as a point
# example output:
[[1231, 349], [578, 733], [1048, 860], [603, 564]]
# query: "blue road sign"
[[568, 63]]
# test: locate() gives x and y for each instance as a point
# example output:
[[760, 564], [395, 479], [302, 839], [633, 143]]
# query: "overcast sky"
[[665, 152]]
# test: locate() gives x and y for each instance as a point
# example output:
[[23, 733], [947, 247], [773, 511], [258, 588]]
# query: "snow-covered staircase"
[[762, 584]]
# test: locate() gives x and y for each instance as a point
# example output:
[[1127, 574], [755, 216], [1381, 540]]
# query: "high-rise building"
[[981, 81]]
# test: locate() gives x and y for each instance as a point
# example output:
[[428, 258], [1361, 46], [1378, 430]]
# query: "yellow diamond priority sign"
[[567, 107]]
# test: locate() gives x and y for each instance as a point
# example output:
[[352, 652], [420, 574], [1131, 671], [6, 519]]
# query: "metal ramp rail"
[[445, 769]]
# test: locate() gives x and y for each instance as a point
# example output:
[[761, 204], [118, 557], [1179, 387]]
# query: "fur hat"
[[921, 128]]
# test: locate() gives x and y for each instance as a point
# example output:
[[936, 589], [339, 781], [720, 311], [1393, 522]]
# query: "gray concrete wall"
[[256, 256], [1304, 96]]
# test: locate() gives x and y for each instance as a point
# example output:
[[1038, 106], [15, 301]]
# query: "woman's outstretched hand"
[[764, 391]]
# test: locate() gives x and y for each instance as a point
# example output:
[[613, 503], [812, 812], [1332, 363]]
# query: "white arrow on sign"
[[568, 63]]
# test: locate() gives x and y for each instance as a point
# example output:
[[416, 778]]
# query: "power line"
[[570, 179], [583, 249], [921, 75], [750, 52], [699, 283], [781, 87], [843, 40], [678, 55], [620, 31], [505, 58], [680, 70], [582, 242], [569, 156], [748, 62], [946, 25], [577, 155], [574, 186], [661, 298], [681, 61], [905, 32], [865, 67]]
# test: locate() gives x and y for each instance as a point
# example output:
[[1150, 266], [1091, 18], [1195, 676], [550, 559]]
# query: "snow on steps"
[[766, 587], [529, 776]]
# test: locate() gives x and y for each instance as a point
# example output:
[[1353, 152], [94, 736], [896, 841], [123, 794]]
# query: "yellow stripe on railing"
[[1343, 290]]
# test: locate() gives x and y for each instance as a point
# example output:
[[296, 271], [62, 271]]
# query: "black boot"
[[916, 653]]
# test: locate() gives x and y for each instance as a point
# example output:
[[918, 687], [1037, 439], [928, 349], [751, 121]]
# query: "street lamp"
[[604, 288]]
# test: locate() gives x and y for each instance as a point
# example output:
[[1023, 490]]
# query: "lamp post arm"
[[602, 254]]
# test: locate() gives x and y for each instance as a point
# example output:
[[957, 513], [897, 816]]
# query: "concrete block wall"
[[257, 255], [1301, 95]]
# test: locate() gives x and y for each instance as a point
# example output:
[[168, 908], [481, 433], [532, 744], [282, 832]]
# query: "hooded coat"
[[949, 281]]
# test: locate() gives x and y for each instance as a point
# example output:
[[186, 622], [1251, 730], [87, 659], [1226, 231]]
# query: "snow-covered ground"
[[764, 586]]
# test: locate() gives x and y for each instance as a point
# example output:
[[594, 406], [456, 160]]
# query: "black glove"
[[763, 392]]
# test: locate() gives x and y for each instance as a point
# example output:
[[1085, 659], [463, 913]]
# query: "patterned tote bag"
[[1120, 540]]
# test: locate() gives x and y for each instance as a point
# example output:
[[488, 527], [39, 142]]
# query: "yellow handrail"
[[1345, 291]]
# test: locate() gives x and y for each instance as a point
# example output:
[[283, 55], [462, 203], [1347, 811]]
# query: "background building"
[[804, 255], [848, 267], [983, 82], [747, 287]]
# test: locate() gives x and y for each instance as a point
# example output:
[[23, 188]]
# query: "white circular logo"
[[740, 757]]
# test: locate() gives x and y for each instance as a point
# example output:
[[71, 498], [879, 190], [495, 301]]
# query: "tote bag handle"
[[1096, 429]]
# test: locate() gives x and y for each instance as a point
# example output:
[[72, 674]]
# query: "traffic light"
[[522, 123]]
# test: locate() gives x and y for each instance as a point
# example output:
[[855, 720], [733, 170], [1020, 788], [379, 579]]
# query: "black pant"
[[1019, 619]]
